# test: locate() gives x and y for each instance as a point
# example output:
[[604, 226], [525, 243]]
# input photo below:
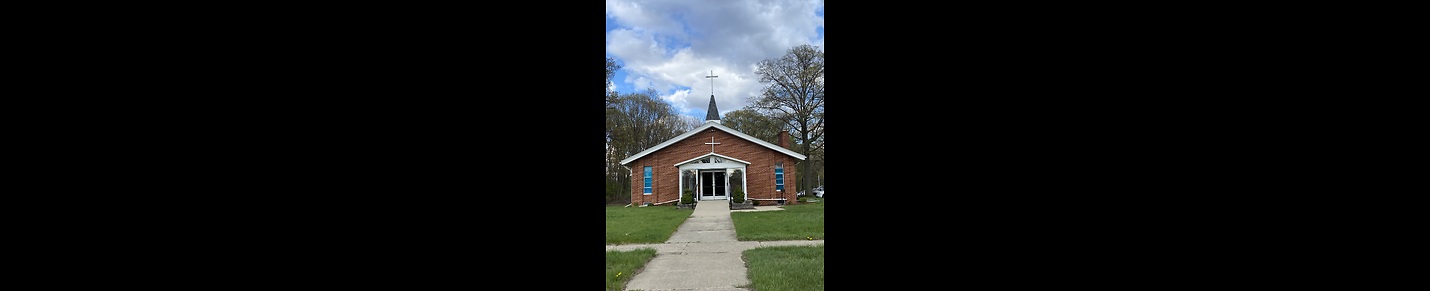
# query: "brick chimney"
[[784, 139]]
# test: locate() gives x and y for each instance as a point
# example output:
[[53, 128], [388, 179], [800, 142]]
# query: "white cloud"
[[648, 15], [640, 83], [633, 47], [677, 97], [672, 45]]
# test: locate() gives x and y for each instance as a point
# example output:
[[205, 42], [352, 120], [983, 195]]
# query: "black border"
[[235, 144], [346, 145]]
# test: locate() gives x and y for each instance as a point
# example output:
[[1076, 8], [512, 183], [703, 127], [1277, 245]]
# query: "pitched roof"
[[716, 125]]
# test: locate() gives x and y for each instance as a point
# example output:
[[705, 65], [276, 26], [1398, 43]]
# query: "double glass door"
[[713, 185]]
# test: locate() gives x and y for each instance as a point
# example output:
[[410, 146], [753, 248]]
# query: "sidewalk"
[[702, 254]]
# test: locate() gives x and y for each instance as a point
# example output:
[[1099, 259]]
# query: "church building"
[[714, 162]]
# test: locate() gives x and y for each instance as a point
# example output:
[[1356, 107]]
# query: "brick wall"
[[665, 183]]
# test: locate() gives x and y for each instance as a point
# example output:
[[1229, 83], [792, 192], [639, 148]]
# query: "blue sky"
[[672, 45]]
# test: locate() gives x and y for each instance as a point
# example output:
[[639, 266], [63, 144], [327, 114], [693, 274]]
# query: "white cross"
[[712, 77], [712, 144]]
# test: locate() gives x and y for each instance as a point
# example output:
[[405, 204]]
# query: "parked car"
[[819, 192]]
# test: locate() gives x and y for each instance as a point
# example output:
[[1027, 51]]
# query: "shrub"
[[739, 196], [755, 202], [688, 197]]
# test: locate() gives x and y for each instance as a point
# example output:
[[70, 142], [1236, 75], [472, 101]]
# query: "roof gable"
[[708, 125], [711, 155]]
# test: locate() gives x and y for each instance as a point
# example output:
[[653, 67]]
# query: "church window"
[[647, 180], [780, 176]]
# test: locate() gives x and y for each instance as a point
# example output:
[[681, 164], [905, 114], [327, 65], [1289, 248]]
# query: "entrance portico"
[[713, 176]]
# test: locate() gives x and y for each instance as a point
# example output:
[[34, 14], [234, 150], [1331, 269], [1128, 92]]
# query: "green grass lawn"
[[785, 268], [796, 222], [620, 266], [638, 225]]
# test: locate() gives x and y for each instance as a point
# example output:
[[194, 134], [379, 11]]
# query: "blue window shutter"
[[647, 179]]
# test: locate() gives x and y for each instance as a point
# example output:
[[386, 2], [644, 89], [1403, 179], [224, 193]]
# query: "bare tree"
[[794, 94], [611, 68], [636, 122], [611, 186]]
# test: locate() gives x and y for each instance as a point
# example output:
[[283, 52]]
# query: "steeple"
[[714, 113]]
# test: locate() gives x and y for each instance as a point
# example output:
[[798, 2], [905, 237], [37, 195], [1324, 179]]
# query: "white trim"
[[710, 166], [654, 204], [711, 154], [709, 125], [722, 196], [771, 199]]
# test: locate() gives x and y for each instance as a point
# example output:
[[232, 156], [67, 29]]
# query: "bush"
[[688, 197], [755, 202], [739, 196]]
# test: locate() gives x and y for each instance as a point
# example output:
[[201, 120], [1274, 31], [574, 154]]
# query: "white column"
[[727, 183], [745, 181]]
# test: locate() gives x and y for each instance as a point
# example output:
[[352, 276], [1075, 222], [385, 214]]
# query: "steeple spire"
[[713, 114]]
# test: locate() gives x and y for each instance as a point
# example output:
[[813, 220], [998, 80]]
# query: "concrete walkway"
[[701, 255]]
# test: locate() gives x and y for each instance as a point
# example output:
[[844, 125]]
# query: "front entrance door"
[[712, 185]]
